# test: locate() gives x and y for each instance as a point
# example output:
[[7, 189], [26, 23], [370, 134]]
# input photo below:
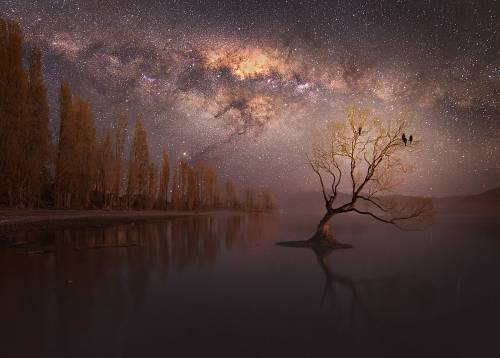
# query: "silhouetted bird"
[[359, 130], [403, 138], [411, 138]]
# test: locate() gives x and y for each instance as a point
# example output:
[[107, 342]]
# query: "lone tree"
[[366, 157]]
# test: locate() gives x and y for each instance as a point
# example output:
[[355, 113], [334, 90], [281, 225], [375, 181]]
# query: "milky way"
[[248, 84]]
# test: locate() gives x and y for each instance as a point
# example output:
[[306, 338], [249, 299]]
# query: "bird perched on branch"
[[411, 138], [403, 138], [359, 130]]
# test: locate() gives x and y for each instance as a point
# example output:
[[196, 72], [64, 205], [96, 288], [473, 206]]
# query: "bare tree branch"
[[372, 154]]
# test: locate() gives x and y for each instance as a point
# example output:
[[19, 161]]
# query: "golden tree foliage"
[[197, 188], [210, 188], [85, 153], [231, 196], [164, 180], [366, 156], [176, 195], [105, 169], [24, 120], [191, 191], [76, 169], [250, 202], [152, 185], [266, 201], [120, 124], [65, 167], [14, 115], [39, 135], [138, 167], [183, 174]]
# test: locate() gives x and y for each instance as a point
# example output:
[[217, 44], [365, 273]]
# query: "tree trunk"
[[11, 198], [322, 232]]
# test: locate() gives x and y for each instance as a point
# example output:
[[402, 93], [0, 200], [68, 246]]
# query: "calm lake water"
[[220, 287]]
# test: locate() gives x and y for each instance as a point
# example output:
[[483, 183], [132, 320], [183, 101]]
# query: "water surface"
[[219, 286]]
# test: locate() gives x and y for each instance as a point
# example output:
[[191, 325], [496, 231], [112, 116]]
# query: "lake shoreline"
[[13, 221]]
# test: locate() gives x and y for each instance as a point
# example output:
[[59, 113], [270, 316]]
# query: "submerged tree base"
[[318, 243]]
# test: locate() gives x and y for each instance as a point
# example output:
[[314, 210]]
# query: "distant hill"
[[479, 204]]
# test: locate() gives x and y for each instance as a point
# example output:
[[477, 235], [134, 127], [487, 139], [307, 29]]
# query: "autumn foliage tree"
[[65, 168], [210, 192], [164, 180], [105, 169], [139, 169], [266, 200], [367, 157], [152, 195], [39, 136], [231, 196], [120, 124], [13, 126], [85, 156], [76, 169], [24, 119], [196, 187], [176, 193]]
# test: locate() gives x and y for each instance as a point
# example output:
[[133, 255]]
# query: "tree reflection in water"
[[120, 260], [95, 281], [368, 299]]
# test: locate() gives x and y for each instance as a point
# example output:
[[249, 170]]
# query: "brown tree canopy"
[[24, 121], [139, 165], [164, 180]]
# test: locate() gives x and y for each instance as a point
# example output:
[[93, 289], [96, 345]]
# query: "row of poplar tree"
[[80, 171]]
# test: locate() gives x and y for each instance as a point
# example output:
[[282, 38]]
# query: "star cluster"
[[247, 84]]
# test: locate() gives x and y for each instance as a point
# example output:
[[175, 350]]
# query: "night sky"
[[247, 85]]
